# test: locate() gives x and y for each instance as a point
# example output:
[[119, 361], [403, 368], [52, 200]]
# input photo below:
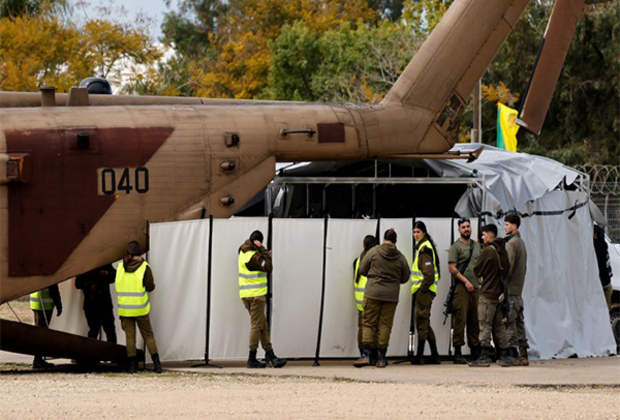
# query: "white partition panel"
[[297, 279], [178, 256], [344, 245], [230, 322], [399, 340]]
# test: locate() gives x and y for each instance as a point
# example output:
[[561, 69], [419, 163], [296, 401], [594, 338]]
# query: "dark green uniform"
[[464, 303]]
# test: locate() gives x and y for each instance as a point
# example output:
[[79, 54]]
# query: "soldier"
[[424, 279], [359, 287], [254, 264], [386, 268], [517, 255], [42, 304], [134, 281], [462, 258], [98, 307], [492, 266]]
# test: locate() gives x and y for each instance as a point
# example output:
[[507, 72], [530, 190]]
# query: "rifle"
[[448, 303]]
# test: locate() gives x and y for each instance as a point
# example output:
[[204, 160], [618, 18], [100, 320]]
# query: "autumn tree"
[[44, 50]]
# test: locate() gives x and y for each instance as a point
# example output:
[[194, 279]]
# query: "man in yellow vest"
[[254, 264], [134, 281], [359, 289], [42, 304]]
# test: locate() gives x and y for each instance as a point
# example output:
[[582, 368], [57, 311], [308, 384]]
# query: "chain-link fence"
[[605, 193]]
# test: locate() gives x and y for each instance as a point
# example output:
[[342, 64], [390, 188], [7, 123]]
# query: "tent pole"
[[208, 327], [318, 339], [269, 275]]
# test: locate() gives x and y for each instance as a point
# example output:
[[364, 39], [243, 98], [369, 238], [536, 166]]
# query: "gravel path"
[[26, 395]]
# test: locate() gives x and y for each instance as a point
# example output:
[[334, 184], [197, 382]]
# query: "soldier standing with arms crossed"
[[462, 258], [517, 256]]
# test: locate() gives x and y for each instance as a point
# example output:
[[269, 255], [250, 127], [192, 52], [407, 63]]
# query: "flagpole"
[[476, 132]]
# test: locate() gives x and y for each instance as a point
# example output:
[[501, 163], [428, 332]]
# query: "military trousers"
[[259, 328], [360, 329], [490, 315], [423, 303], [516, 323], [128, 323], [378, 319], [98, 316], [42, 319], [465, 306]]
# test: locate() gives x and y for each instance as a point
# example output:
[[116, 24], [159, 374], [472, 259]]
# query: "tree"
[[44, 51], [14, 8]]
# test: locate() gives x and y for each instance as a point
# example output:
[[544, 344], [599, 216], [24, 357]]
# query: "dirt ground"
[[562, 389], [17, 310]]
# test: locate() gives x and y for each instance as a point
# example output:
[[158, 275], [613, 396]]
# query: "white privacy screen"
[[344, 245], [230, 322], [298, 262], [179, 259]]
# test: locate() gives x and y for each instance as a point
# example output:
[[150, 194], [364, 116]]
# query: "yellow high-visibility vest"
[[359, 287], [251, 283], [416, 273], [133, 299], [42, 296]]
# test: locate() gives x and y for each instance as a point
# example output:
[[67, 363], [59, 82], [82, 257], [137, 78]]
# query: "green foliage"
[[296, 58], [582, 125], [357, 64]]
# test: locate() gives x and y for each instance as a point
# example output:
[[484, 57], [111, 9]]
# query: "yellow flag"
[[507, 127]]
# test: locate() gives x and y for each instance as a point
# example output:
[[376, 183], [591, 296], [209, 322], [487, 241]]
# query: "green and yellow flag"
[[507, 127]]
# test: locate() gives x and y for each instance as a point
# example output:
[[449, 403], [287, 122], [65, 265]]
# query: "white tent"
[[565, 310]]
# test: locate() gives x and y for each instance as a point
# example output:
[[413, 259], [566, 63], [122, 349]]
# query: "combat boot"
[[484, 360], [374, 357], [419, 357], [381, 360], [365, 359], [133, 365], [156, 363], [503, 359], [40, 363], [458, 356], [253, 362], [523, 360], [434, 359], [475, 353], [513, 356], [274, 360]]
